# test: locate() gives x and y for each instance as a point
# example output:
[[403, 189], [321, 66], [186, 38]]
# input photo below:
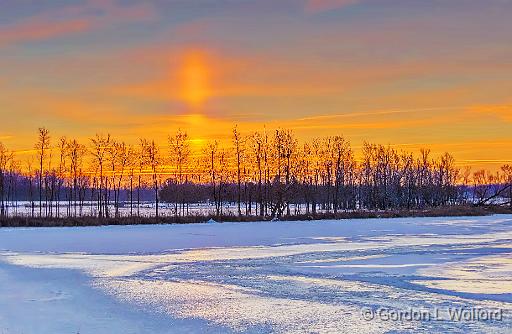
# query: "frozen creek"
[[261, 277]]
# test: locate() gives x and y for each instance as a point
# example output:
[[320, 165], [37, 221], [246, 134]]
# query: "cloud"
[[71, 20], [5, 137], [254, 75], [316, 6], [503, 112], [34, 30], [373, 113]]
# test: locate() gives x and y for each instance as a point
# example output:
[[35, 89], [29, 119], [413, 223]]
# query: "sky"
[[411, 73]]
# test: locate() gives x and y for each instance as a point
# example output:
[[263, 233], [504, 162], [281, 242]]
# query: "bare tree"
[[153, 156], [124, 154], [5, 157], [258, 154], [284, 145], [75, 152], [99, 148], [62, 147], [341, 154], [143, 162], [274, 172], [507, 171], [180, 152], [237, 141], [30, 176], [211, 155], [42, 147], [14, 173], [132, 165], [223, 177]]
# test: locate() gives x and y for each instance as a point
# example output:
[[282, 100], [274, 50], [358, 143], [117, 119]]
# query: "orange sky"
[[409, 73]]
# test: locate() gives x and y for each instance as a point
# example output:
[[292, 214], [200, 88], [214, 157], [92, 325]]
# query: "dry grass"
[[448, 211]]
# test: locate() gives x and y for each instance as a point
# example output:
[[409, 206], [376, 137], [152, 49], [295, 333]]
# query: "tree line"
[[267, 174]]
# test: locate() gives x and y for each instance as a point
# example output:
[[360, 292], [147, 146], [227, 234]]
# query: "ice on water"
[[287, 277]]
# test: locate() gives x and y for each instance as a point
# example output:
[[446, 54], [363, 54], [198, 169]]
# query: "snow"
[[284, 277], [144, 209]]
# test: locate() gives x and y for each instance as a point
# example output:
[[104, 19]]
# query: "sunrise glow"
[[414, 75], [255, 166], [195, 79]]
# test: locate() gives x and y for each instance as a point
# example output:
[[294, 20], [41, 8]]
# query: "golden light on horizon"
[[195, 78], [207, 71]]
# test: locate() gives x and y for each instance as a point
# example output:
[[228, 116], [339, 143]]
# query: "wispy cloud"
[[503, 112], [316, 6], [37, 29], [374, 113], [71, 20]]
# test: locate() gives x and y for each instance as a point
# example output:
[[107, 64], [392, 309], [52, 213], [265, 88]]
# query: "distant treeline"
[[267, 174]]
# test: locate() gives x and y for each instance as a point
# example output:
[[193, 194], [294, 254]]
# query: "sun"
[[195, 78]]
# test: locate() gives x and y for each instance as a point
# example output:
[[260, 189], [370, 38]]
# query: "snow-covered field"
[[144, 209], [261, 277]]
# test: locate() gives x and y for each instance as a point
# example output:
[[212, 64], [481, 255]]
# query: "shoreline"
[[450, 211]]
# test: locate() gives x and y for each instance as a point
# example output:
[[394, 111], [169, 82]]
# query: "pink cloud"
[[73, 19], [119, 13], [316, 6], [34, 30]]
